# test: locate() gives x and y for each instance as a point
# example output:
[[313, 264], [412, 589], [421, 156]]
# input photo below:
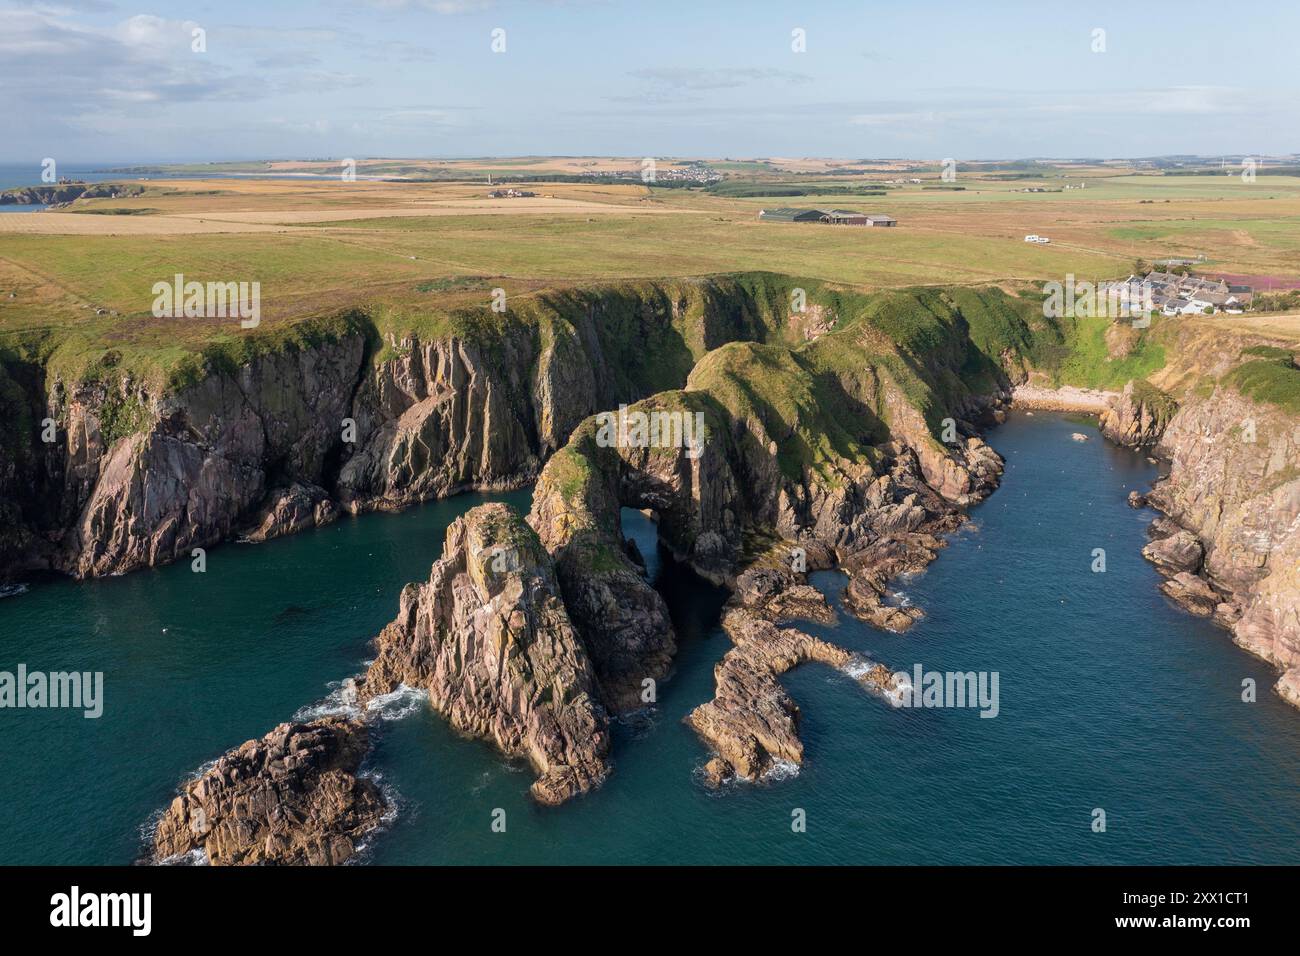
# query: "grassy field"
[[321, 247]]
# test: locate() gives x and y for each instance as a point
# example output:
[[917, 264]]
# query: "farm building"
[[840, 217], [786, 214]]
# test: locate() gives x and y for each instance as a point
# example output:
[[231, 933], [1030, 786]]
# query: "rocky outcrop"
[[1181, 551], [1191, 593], [290, 510], [623, 621], [489, 638], [64, 193], [293, 797], [1137, 417], [752, 723]]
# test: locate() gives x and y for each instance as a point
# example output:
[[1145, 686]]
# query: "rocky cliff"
[[856, 449], [1234, 483], [64, 193], [1138, 416], [357, 412]]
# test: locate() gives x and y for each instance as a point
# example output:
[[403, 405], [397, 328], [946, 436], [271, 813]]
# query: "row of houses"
[[510, 194], [838, 217], [1176, 294]]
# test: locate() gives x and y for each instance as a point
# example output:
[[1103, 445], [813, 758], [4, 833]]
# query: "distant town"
[[1176, 293]]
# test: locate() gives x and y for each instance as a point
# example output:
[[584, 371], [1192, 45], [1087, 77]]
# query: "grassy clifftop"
[[935, 344]]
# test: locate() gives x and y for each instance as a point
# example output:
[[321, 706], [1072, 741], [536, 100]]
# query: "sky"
[[110, 81]]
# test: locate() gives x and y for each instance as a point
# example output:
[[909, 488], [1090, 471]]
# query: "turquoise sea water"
[[1109, 698]]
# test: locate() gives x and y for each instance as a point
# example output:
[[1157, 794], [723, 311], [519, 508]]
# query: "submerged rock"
[[489, 638], [292, 797]]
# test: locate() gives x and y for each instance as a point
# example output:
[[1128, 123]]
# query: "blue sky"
[[103, 80]]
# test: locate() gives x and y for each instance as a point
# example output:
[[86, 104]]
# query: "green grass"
[[1087, 362], [1275, 381]]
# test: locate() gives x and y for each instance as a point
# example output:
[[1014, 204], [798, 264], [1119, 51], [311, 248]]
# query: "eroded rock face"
[[1192, 593], [623, 621], [442, 417], [489, 637], [292, 797], [200, 461]]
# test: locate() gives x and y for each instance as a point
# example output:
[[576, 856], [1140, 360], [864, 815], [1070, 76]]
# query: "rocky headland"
[[64, 193]]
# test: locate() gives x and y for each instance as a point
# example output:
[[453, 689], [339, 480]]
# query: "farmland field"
[[319, 246]]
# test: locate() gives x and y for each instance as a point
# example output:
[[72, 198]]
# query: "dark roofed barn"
[[839, 217], [788, 214]]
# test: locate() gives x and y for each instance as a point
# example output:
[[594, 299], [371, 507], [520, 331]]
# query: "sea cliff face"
[[1234, 482], [133, 472]]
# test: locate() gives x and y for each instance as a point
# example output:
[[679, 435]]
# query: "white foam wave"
[[341, 701], [12, 590], [902, 687], [781, 770], [858, 667], [398, 704]]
